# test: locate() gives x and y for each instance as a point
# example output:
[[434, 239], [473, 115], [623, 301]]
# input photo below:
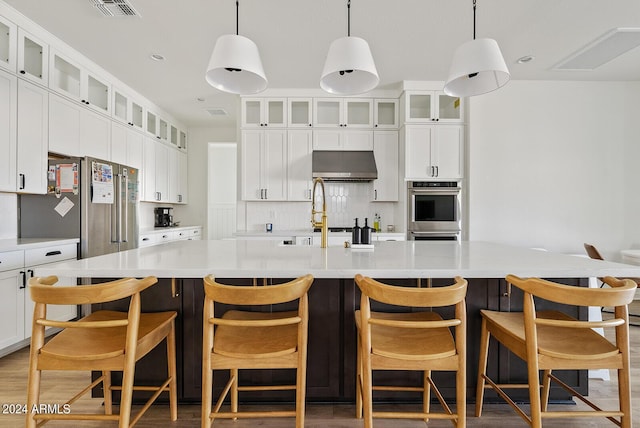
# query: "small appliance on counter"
[[163, 217]]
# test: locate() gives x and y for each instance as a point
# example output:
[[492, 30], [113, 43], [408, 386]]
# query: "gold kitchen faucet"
[[322, 224]]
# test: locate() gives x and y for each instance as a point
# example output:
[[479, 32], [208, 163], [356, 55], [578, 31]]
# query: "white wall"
[[195, 211], [554, 165]]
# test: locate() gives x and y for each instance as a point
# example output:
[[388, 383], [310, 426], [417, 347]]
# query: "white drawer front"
[[11, 260], [165, 237], [50, 254], [148, 240]]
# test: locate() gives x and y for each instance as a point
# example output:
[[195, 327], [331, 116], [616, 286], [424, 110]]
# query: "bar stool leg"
[[482, 366]]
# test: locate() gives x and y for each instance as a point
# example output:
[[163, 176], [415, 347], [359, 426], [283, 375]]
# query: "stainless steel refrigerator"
[[91, 199]]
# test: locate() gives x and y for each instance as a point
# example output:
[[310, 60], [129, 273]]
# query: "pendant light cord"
[[237, 6], [349, 18], [474, 19]]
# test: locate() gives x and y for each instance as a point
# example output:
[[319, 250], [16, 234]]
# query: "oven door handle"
[[435, 190]]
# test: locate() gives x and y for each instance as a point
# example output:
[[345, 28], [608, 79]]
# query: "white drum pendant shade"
[[349, 68], [477, 68], [235, 66]]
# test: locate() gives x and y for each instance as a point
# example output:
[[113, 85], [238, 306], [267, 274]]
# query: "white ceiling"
[[409, 39]]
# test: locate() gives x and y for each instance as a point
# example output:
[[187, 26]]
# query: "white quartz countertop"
[[29, 243], [394, 259]]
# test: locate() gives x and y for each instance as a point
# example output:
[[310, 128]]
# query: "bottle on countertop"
[[355, 234], [376, 222], [365, 237]]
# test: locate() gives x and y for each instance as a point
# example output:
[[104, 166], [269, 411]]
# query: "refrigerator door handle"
[[115, 222], [125, 201]]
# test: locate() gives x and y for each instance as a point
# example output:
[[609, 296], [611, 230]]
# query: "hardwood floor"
[[57, 386]]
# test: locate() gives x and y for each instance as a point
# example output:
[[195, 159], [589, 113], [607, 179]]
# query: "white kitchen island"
[[394, 259], [333, 300]]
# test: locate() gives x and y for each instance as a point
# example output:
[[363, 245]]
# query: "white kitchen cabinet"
[[385, 150], [12, 302], [64, 129], [152, 124], [33, 58], [183, 178], [264, 165], [385, 113], [300, 112], [163, 236], [16, 306], [74, 81], [8, 133], [182, 140], [173, 174], [343, 112], [126, 145], [433, 151], [8, 45], [33, 135], [163, 130], [432, 106], [299, 155], [155, 171], [342, 139], [77, 131], [173, 135], [127, 110], [42, 256], [95, 134], [263, 112]]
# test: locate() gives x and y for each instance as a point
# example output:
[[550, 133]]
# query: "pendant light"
[[235, 65], [477, 67], [349, 68]]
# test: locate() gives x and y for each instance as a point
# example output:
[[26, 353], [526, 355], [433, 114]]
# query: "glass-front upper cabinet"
[[152, 124], [173, 135], [385, 113], [264, 112], [432, 106], [126, 110], [163, 130], [183, 140], [70, 79], [33, 58], [8, 46], [300, 112], [343, 112]]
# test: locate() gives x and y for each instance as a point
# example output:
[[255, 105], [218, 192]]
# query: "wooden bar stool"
[[254, 340], [551, 340], [103, 341], [419, 341]]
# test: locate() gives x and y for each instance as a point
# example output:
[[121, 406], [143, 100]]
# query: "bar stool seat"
[[551, 340], [103, 341]]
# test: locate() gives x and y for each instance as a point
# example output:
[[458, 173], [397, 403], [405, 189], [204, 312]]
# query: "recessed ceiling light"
[[525, 59], [157, 57], [201, 99]]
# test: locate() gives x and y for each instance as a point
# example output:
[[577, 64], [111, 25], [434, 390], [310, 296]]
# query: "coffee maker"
[[163, 217]]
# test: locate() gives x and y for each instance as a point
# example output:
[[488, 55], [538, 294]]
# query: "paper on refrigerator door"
[[101, 183], [64, 206]]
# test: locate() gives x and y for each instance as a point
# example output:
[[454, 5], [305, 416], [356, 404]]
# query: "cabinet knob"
[[309, 124], [23, 72], [375, 126]]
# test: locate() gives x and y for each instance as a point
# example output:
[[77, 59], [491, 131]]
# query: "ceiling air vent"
[[217, 112], [115, 8], [601, 50]]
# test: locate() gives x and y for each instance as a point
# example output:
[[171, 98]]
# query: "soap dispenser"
[[365, 237], [355, 234]]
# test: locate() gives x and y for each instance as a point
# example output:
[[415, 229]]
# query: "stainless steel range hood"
[[338, 165]]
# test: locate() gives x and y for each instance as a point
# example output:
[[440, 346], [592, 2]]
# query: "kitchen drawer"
[[11, 260], [50, 254], [190, 234], [148, 239], [167, 236]]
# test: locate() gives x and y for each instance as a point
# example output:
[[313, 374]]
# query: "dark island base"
[[332, 344]]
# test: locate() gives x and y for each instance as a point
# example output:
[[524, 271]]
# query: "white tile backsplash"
[[345, 201]]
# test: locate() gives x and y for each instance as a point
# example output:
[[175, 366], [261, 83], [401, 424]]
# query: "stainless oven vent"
[[115, 8]]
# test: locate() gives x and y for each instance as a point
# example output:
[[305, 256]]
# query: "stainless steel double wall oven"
[[434, 210]]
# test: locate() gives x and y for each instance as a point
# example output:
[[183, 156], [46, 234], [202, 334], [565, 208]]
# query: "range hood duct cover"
[[339, 165]]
